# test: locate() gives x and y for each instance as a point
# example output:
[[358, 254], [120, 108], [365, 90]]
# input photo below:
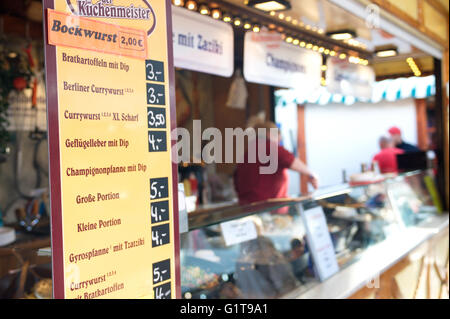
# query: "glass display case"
[[261, 250]]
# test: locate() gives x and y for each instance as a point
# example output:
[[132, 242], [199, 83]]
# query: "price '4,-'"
[[158, 238], [153, 142], [162, 292], [157, 213], [157, 141], [160, 235]]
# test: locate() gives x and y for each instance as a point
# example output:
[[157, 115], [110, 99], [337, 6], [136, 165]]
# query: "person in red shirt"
[[251, 185], [387, 157]]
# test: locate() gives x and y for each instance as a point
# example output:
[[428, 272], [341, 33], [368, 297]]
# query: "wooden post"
[[301, 145], [421, 119], [445, 106], [389, 288]]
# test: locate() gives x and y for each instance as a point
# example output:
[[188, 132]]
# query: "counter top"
[[320, 193], [202, 218], [374, 261], [326, 191]]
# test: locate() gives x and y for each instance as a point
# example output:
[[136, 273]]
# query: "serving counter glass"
[[261, 250]]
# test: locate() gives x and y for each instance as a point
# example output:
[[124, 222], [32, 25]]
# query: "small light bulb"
[[204, 10], [178, 3], [191, 5], [216, 14]]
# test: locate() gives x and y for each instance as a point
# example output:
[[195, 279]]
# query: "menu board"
[[319, 240], [110, 89]]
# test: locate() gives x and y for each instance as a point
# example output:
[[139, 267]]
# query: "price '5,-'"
[[159, 188]]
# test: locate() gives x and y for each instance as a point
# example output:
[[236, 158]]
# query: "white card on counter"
[[238, 231], [319, 241], [182, 219]]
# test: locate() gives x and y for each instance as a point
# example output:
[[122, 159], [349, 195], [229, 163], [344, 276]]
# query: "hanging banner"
[[114, 208], [349, 79], [271, 61], [201, 43]]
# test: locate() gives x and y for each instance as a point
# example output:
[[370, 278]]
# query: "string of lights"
[[216, 12], [412, 64]]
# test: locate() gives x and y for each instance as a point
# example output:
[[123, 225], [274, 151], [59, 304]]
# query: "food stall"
[[372, 227], [219, 267], [338, 242]]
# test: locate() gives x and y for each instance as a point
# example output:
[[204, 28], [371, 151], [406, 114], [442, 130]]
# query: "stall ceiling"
[[393, 68], [329, 17], [445, 3], [321, 14]]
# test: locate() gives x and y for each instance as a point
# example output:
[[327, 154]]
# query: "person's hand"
[[313, 180]]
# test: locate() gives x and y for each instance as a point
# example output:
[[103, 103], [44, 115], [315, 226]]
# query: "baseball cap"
[[394, 130]]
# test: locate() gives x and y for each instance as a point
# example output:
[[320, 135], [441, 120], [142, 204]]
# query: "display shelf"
[[373, 262], [277, 262]]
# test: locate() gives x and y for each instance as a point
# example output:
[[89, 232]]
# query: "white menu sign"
[[319, 240], [182, 210], [201, 43], [280, 64], [238, 231], [349, 79]]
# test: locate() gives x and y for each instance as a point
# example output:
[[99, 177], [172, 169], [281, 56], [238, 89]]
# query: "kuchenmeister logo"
[[107, 9]]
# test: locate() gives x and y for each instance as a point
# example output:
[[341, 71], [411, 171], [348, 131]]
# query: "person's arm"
[[298, 166]]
